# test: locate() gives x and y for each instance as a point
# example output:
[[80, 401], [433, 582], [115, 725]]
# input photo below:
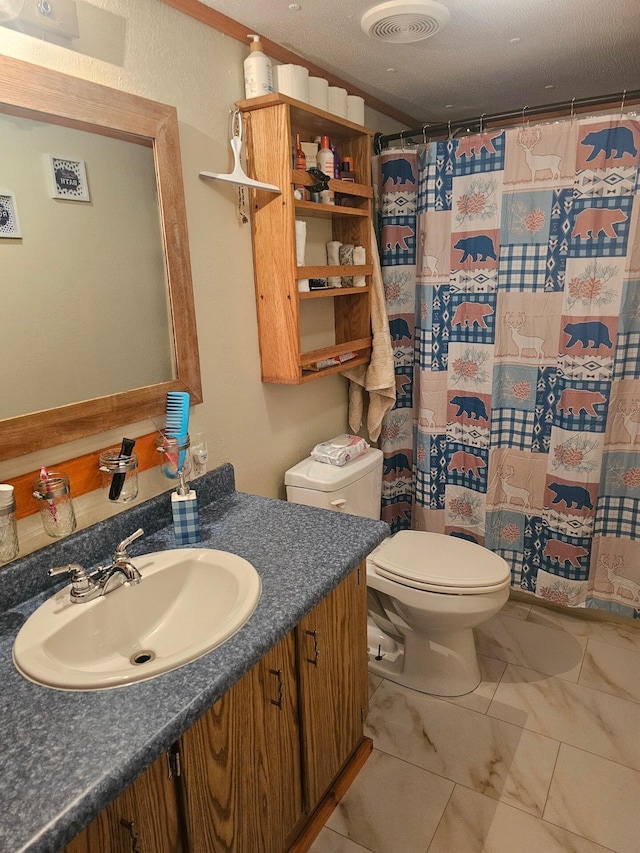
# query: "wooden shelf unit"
[[271, 123]]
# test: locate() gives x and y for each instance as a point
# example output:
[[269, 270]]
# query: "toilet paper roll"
[[355, 109], [359, 257], [333, 259], [293, 80], [338, 101], [346, 259], [319, 93]]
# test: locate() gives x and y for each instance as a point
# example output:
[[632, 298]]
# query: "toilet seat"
[[438, 563]]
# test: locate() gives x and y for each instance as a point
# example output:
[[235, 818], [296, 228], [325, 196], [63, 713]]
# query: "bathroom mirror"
[[97, 297]]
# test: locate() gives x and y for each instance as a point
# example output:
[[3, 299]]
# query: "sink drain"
[[141, 657]]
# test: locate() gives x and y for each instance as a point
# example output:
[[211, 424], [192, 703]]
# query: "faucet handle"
[[121, 550], [76, 571], [82, 586]]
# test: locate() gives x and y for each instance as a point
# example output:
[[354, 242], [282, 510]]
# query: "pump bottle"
[[258, 74]]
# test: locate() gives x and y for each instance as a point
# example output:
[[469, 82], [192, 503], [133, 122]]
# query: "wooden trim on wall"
[[84, 474], [230, 27]]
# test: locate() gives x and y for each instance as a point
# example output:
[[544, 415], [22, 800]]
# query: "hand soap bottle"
[[258, 74], [186, 519]]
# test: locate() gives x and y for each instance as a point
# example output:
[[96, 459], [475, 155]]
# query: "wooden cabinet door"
[[241, 763], [144, 818], [332, 654]]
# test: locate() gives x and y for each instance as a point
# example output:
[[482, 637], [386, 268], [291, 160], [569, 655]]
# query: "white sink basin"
[[189, 602]]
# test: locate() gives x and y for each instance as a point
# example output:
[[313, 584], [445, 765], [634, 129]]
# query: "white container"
[[325, 164], [258, 74], [293, 80], [355, 109], [338, 101], [319, 93]]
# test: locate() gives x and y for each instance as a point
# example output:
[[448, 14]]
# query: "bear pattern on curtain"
[[511, 263]]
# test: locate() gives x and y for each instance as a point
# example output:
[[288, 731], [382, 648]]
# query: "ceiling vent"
[[401, 22]]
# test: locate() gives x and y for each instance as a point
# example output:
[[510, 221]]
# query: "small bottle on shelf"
[[300, 164], [325, 164]]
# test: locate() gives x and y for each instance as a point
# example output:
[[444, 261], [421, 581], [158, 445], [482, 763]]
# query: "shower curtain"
[[511, 263]]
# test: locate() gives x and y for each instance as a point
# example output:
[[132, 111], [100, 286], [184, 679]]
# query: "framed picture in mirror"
[[9, 222]]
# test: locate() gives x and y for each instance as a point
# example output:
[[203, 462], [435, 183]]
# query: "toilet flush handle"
[[339, 503]]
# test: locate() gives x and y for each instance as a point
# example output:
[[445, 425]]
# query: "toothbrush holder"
[[173, 448], [119, 475], [56, 507]]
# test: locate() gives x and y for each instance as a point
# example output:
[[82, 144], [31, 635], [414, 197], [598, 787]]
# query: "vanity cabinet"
[[265, 757], [144, 818], [240, 762], [272, 122]]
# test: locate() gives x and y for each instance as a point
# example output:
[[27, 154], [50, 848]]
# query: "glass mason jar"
[[8, 528], [176, 455], [56, 507], [119, 475]]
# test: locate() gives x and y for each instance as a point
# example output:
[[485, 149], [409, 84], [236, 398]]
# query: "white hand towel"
[[333, 259], [359, 257], [301, 241]]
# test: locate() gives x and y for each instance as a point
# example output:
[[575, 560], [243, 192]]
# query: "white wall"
[[262, 429]]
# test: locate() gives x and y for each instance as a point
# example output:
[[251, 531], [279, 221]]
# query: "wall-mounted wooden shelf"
[[271, 123]]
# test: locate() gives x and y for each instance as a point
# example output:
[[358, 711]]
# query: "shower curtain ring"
[[424, 135], [624, 95], [524, 109], [449, 129], [482, 122], [402, 140], [573, 112]]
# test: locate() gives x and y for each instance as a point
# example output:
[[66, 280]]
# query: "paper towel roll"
[[293, 80], [319, 93], [346, 259], [338, 101], [333, 259], [355, 109], [359, 257]]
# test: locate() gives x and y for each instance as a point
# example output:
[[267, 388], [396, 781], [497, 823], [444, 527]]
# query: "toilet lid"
[[440, 563]]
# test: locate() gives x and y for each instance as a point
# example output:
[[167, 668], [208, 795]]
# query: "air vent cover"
[[399, 22]]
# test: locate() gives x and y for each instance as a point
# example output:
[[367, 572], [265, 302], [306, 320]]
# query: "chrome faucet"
[[86, 586]]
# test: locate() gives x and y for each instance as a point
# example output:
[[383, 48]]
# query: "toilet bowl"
[[426, 591]]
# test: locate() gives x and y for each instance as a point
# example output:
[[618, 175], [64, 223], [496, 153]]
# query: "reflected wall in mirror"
[[98, 311]]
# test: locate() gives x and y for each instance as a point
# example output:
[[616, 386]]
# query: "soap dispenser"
[[258, 74], [186, 518]]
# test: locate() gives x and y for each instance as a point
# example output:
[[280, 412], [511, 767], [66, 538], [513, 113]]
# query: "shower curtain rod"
[[380, 140]]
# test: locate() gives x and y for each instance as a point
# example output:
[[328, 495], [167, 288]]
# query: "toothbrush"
[[44, 476], [117, 481], [177, 420]]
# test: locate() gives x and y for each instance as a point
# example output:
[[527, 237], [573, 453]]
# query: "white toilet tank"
[[354, 488]]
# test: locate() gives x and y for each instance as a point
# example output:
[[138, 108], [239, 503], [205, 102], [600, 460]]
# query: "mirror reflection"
[[98, 310], [86, 312]]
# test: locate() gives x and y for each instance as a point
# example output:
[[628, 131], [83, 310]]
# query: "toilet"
[[426, 591]]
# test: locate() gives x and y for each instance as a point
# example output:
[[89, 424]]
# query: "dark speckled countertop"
[[66, 755]]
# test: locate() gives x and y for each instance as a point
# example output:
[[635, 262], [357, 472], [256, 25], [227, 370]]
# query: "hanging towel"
[[378, 377]]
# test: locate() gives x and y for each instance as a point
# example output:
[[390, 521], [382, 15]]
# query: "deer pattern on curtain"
[[511, 263]]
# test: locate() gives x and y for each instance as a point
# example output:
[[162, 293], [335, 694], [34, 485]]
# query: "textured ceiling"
[[581, 48]]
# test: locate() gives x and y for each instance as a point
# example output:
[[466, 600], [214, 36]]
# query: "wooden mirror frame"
[[31, 91]]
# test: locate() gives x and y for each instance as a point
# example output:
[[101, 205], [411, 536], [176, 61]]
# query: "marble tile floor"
[[543, 757]]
